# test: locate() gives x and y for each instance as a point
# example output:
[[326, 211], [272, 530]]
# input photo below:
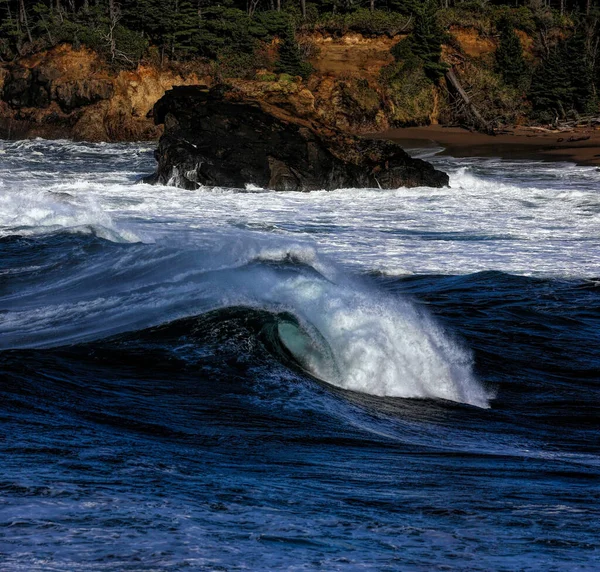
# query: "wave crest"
[[361, 340]]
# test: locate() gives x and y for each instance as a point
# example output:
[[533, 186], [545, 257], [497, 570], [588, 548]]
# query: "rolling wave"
[[340, 329]]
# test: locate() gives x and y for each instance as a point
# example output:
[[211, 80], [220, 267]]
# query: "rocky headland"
[[73, 93], [218, 137]]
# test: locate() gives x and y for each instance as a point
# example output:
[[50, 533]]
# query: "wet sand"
[[580, 145]]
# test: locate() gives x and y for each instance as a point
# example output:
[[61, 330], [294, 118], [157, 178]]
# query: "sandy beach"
[[580, 145]]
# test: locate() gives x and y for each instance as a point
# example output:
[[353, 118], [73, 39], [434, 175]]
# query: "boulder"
[[218, 137]]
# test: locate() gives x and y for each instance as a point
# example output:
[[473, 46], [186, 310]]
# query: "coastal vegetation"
[[543, 64]]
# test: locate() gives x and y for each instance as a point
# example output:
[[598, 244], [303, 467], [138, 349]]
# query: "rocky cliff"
[[219, 137], [67, 92], [72, 93]]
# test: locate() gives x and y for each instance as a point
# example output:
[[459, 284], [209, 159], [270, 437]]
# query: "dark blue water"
[[362, 380], [201, 443]]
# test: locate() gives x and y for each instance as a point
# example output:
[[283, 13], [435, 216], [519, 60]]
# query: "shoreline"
[[520, 143]]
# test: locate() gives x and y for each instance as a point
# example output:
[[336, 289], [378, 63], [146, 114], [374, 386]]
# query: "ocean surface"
[[250, 380]]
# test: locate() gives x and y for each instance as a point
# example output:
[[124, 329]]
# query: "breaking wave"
[[339, 329]]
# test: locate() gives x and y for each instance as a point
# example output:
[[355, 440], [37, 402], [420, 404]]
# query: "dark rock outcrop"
[[38, 87], [74, 93], [218, 138]]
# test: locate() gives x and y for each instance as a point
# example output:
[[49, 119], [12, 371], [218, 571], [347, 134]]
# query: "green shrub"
[[359, 98], [286, 78], [485, 17], [290, 58], [266, 77], [231, 63], [509, 56], [521, 18], [464, 16], [378, 22], [498, 103], [412, 96]]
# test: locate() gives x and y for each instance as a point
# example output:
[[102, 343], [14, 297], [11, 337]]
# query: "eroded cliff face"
[[71, 93], [351, 54]]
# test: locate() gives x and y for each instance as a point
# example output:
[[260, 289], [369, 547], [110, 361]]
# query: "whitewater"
[[246, 379]]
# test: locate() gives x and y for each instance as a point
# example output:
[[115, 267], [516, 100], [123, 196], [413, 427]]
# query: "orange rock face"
[[472, 43], [351, 55], [65, 92]]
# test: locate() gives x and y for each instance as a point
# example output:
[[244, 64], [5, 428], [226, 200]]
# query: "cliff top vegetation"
[[555, 76]]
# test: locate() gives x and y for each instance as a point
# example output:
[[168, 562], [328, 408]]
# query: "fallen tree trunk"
[[481, 123]]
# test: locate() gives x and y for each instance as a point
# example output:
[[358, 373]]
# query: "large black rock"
[[213, 138]]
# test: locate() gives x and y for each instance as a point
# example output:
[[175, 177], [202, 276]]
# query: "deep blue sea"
[[249, 380]]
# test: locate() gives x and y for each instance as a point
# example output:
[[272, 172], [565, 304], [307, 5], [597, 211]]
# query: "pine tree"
[[563, 82], [186, 26], [509, 56], [551, 92], [290, 59], [223, 29], [581, 73], [426, 40]]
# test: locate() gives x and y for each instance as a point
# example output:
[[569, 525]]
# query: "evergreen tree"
[[551, 93], [221, 29], [405, 57], [564, 81], [186, 25], [290, 59], [581, 73], [426, 40], [509, 56], [230, 31], [11, 36]]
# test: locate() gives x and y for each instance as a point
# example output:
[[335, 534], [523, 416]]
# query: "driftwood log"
[[479, 121]]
